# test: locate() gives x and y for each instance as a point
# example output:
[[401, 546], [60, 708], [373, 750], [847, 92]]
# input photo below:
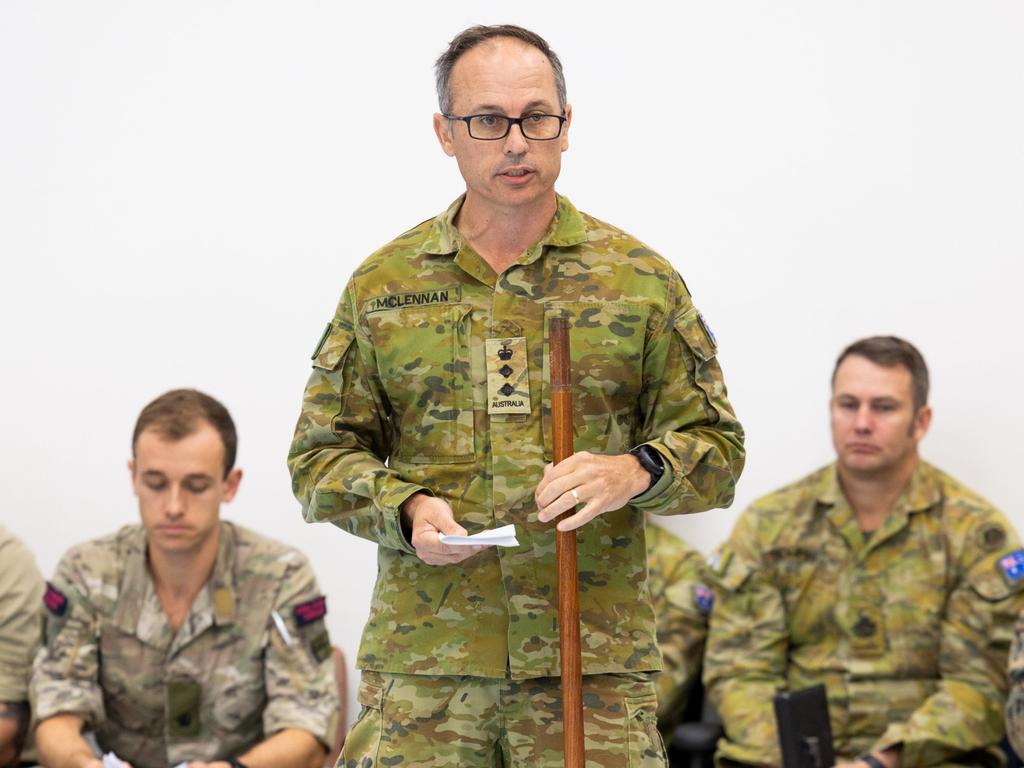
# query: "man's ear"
[[565, 127], [922, 421], [131, 476], [443, 129], [231, 483]]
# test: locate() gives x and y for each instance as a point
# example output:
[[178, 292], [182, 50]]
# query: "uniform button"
[[184, 719]]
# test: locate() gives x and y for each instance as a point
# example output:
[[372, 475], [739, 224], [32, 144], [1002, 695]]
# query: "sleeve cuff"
[[391, 508], [649, 498]]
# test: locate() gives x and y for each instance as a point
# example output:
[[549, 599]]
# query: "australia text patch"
[[56, 602], [412, 299], [310, 611]]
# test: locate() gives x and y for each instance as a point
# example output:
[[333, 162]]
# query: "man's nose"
[[515, 142], [176, 502], [863, 421]]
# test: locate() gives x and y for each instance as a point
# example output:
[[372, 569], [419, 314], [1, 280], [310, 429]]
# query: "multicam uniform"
[[227, 680], [21, 589], [908, 627], [438, 366], [678, 582]]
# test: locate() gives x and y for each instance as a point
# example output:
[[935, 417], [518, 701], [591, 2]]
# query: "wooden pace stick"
[[565, 552]]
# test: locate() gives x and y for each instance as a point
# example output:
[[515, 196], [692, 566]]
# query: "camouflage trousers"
[[435, 722]]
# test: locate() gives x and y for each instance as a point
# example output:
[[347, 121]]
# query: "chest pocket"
[[423, 359], [606, 348], [125, 661]]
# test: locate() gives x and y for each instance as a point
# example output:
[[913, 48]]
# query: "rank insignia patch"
[[508, 378]]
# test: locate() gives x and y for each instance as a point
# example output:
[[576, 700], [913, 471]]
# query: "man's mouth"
[[516, 173]]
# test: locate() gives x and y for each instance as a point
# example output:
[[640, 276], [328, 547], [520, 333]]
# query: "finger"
[[567, 502], [590, 510], [558, 487]]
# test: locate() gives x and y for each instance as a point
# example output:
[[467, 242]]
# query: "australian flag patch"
[[1012, 566], [704, 598]]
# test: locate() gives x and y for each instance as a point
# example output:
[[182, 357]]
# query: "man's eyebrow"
[[153, 473], [494, 109]]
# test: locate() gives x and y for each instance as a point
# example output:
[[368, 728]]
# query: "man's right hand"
[[428, 516]]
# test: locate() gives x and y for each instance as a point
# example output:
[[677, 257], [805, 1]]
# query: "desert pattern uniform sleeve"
[[343, 432], [966, 710], [681, 598], [745, 658], [686, 413], [21, 594], [1015, 699], [300, 685], [65, 676]]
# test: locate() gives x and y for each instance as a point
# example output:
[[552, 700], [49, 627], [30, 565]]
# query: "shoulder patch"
[[1012, 566], [310, 611], [56, 602], [703, 598]]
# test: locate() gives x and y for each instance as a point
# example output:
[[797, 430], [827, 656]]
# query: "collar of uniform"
[[131, 594], [567, 229], [922, 492], [221, 586]]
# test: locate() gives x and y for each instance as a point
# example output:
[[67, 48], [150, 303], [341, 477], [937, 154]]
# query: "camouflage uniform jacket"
[[678, 581], [224, 682], [433, 376], [908, 628], [21, 589]]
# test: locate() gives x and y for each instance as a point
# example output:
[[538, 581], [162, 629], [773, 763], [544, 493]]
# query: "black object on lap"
[[805, 734]]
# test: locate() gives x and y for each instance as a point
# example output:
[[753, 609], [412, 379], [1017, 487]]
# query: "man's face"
[[180, 485], [504, 76], [874, 427]]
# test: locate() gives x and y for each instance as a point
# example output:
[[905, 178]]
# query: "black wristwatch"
[[650, 460], [871, 760]]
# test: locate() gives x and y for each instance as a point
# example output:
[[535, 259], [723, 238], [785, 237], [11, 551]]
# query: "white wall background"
[[185, 188]]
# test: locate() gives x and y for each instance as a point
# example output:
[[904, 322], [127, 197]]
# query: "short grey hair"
[[470, 38]]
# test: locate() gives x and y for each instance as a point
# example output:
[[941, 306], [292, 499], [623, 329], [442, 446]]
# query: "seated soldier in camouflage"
[[879, 576], [677, 579], [21, 589], [185, 639]]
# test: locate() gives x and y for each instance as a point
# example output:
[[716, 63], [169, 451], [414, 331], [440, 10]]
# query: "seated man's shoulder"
[[781, 511], [264, 559], [92, 567]]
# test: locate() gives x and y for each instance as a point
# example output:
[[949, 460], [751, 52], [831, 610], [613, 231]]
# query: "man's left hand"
[[601, 483]]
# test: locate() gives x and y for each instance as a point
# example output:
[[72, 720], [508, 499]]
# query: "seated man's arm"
[[746, 655], [60, 743], [14, 717], [681, 611], [64, 689], [966, 711], [302, 695]]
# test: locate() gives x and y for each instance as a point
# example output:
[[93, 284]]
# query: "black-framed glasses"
[[536, 127]]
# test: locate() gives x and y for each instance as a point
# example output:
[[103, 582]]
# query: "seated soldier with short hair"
[[187, 638], [21, 588], [677, 579], [880, 577]]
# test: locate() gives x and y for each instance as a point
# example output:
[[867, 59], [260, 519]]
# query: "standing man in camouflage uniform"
[[879, 576], [21, 592], [428, 412], [186, 638], [678, 580]]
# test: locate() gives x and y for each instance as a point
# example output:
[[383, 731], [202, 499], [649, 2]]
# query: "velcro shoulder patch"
[[310, 611], [56, 602], [1012, 566]]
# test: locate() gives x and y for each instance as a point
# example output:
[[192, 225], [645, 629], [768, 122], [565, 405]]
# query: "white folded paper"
[[496, 537], [110, 760]]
